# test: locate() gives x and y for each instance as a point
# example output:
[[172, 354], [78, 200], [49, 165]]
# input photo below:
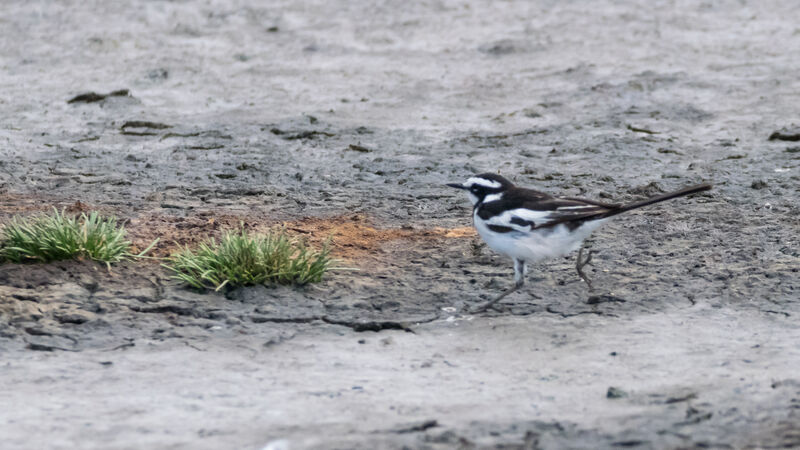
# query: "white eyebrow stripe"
[[492, 197], [483, 182]]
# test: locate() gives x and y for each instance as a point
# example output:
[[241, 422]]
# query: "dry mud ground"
[[344, 119]]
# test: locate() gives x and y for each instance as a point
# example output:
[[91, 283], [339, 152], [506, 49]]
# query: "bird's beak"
[[456, 185]]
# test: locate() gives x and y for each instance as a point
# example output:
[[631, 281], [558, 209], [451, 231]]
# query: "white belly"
[[537, 245]]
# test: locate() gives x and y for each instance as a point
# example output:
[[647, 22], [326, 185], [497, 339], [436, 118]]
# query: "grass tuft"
[[241, 259], [58, 236]]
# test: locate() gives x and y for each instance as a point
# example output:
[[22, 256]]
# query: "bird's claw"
[[587, 260], [481, 308]]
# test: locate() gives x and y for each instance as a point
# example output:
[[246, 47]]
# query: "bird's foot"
[[498, 307], [581, 263], [492, 303], [501, 308], [484, 307]]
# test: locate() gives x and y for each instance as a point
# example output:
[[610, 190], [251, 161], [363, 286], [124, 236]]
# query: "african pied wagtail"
[[530, 226]]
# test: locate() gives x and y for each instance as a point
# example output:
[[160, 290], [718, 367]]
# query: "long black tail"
[[660, 198]]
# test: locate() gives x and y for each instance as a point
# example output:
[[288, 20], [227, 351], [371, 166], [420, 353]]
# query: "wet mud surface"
[[338, 120]]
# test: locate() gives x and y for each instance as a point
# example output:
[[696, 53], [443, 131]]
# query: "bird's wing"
[[573, 212], [523, 210]]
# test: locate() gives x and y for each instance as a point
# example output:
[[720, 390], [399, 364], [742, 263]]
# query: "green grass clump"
[[241, 259], [59, 236]]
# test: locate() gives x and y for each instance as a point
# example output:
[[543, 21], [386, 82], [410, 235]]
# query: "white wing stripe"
[[504, 220], [530, 214]]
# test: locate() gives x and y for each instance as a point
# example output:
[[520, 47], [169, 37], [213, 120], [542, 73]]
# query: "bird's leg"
[[580, 263], [519, 280]]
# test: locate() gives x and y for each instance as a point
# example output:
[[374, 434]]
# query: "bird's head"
[[482, 186]]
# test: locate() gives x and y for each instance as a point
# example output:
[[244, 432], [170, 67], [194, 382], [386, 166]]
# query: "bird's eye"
[[474, 188]]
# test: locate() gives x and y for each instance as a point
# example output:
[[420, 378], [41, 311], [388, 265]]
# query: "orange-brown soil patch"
[[352, 237], [355, 236]]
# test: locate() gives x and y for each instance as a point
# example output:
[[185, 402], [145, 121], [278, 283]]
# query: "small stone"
[[76, 316], [158, 74], [791, 134], [614, 392], [531, 113], [758, 184]]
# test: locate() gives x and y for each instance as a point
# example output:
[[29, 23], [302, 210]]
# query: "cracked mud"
[[339, 120]]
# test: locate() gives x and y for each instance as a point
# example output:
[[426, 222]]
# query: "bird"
[[530, 226]]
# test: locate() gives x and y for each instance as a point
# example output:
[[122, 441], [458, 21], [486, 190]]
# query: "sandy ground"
[[345, 119]]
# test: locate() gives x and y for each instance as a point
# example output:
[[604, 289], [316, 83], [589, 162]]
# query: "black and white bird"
[[530, 226]]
